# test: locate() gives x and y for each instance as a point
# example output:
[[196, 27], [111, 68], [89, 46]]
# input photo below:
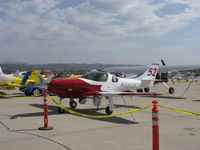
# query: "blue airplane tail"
[[32, 77]]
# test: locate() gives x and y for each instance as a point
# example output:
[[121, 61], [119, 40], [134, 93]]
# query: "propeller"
[[163, 63], [44, 85]]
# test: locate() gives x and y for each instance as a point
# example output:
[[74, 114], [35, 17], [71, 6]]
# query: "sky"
[[100, 31]]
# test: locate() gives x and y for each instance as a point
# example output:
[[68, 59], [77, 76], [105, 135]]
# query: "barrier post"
[[45, 100], [155, 126]]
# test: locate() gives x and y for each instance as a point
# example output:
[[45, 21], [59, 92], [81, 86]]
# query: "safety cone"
[[45, 127]]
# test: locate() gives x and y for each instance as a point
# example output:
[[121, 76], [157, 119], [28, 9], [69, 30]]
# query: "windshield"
[[96, 76]]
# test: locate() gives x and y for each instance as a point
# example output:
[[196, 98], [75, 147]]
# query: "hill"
[[57, 67]]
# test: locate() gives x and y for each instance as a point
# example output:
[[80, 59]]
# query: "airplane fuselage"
[[74, 88]]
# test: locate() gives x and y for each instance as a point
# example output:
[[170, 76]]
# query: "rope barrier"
[[19, 96], [181, 111], [104, 116]]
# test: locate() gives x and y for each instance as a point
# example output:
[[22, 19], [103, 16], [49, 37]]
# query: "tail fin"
[[16, 74], [25, 78], [37, 77], [150, 73], [33, 77], [149, 76], [1, 70]]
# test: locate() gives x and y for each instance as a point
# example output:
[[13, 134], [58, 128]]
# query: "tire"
[[108, 111], [146, 90], [36, 92], [60, 110], [171, 90], [72, 104]]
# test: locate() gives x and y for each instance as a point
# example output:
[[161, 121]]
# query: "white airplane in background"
[[10, 80], [162, 76], [18, 74], [97, 84]]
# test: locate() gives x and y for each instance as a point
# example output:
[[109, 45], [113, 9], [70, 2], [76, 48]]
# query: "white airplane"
[[97, 84], [9, 80], [18, 74], [163, 76], [13, 80]]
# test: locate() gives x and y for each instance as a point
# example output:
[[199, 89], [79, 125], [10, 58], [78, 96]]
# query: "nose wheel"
[[72, 104]]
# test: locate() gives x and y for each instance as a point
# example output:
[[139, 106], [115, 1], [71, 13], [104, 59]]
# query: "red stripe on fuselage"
[[71, 88]]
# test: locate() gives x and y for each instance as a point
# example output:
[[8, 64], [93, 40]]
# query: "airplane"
[[9, 80], [35, 89], [163, 75], [97, 84], [18, 74], [12, 81]]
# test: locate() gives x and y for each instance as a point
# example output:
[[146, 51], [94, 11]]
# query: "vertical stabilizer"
[[16, 74], [37, 77], [32, 77], [149, 76], [150, 73], [1, 72]]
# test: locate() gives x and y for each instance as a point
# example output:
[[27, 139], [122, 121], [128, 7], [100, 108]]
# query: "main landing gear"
[[109, 108], [170, 89], [72, 104]]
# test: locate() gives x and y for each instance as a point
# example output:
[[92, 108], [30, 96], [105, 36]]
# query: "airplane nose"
[[60, 86], [52, 86]]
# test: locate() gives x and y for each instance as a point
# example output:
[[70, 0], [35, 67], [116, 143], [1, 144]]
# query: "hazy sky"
[[100, 31]]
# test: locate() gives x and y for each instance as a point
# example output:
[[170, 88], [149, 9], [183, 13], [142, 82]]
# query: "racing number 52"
[[152, 72]]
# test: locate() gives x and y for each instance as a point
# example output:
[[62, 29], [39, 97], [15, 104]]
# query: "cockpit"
[[96, 76]]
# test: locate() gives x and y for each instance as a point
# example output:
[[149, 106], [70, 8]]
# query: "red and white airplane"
[[97, 84]]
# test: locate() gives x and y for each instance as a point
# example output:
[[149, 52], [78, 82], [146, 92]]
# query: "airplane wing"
[[120, 93], [6, 84]]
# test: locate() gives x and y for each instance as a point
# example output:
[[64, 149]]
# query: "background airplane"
[[9, 80], [164, 74], [97, 84], [30, 78], [34, 89]]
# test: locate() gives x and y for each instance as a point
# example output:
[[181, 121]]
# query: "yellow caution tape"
[[184, 81], [19, 96], [92, 116], [182, 111]]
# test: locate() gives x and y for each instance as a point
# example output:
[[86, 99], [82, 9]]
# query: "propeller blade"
[[163, 63]]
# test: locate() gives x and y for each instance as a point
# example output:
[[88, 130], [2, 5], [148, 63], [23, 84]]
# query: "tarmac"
[[20, 119]]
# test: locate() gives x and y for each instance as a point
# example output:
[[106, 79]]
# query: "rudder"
[[150, 73]]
